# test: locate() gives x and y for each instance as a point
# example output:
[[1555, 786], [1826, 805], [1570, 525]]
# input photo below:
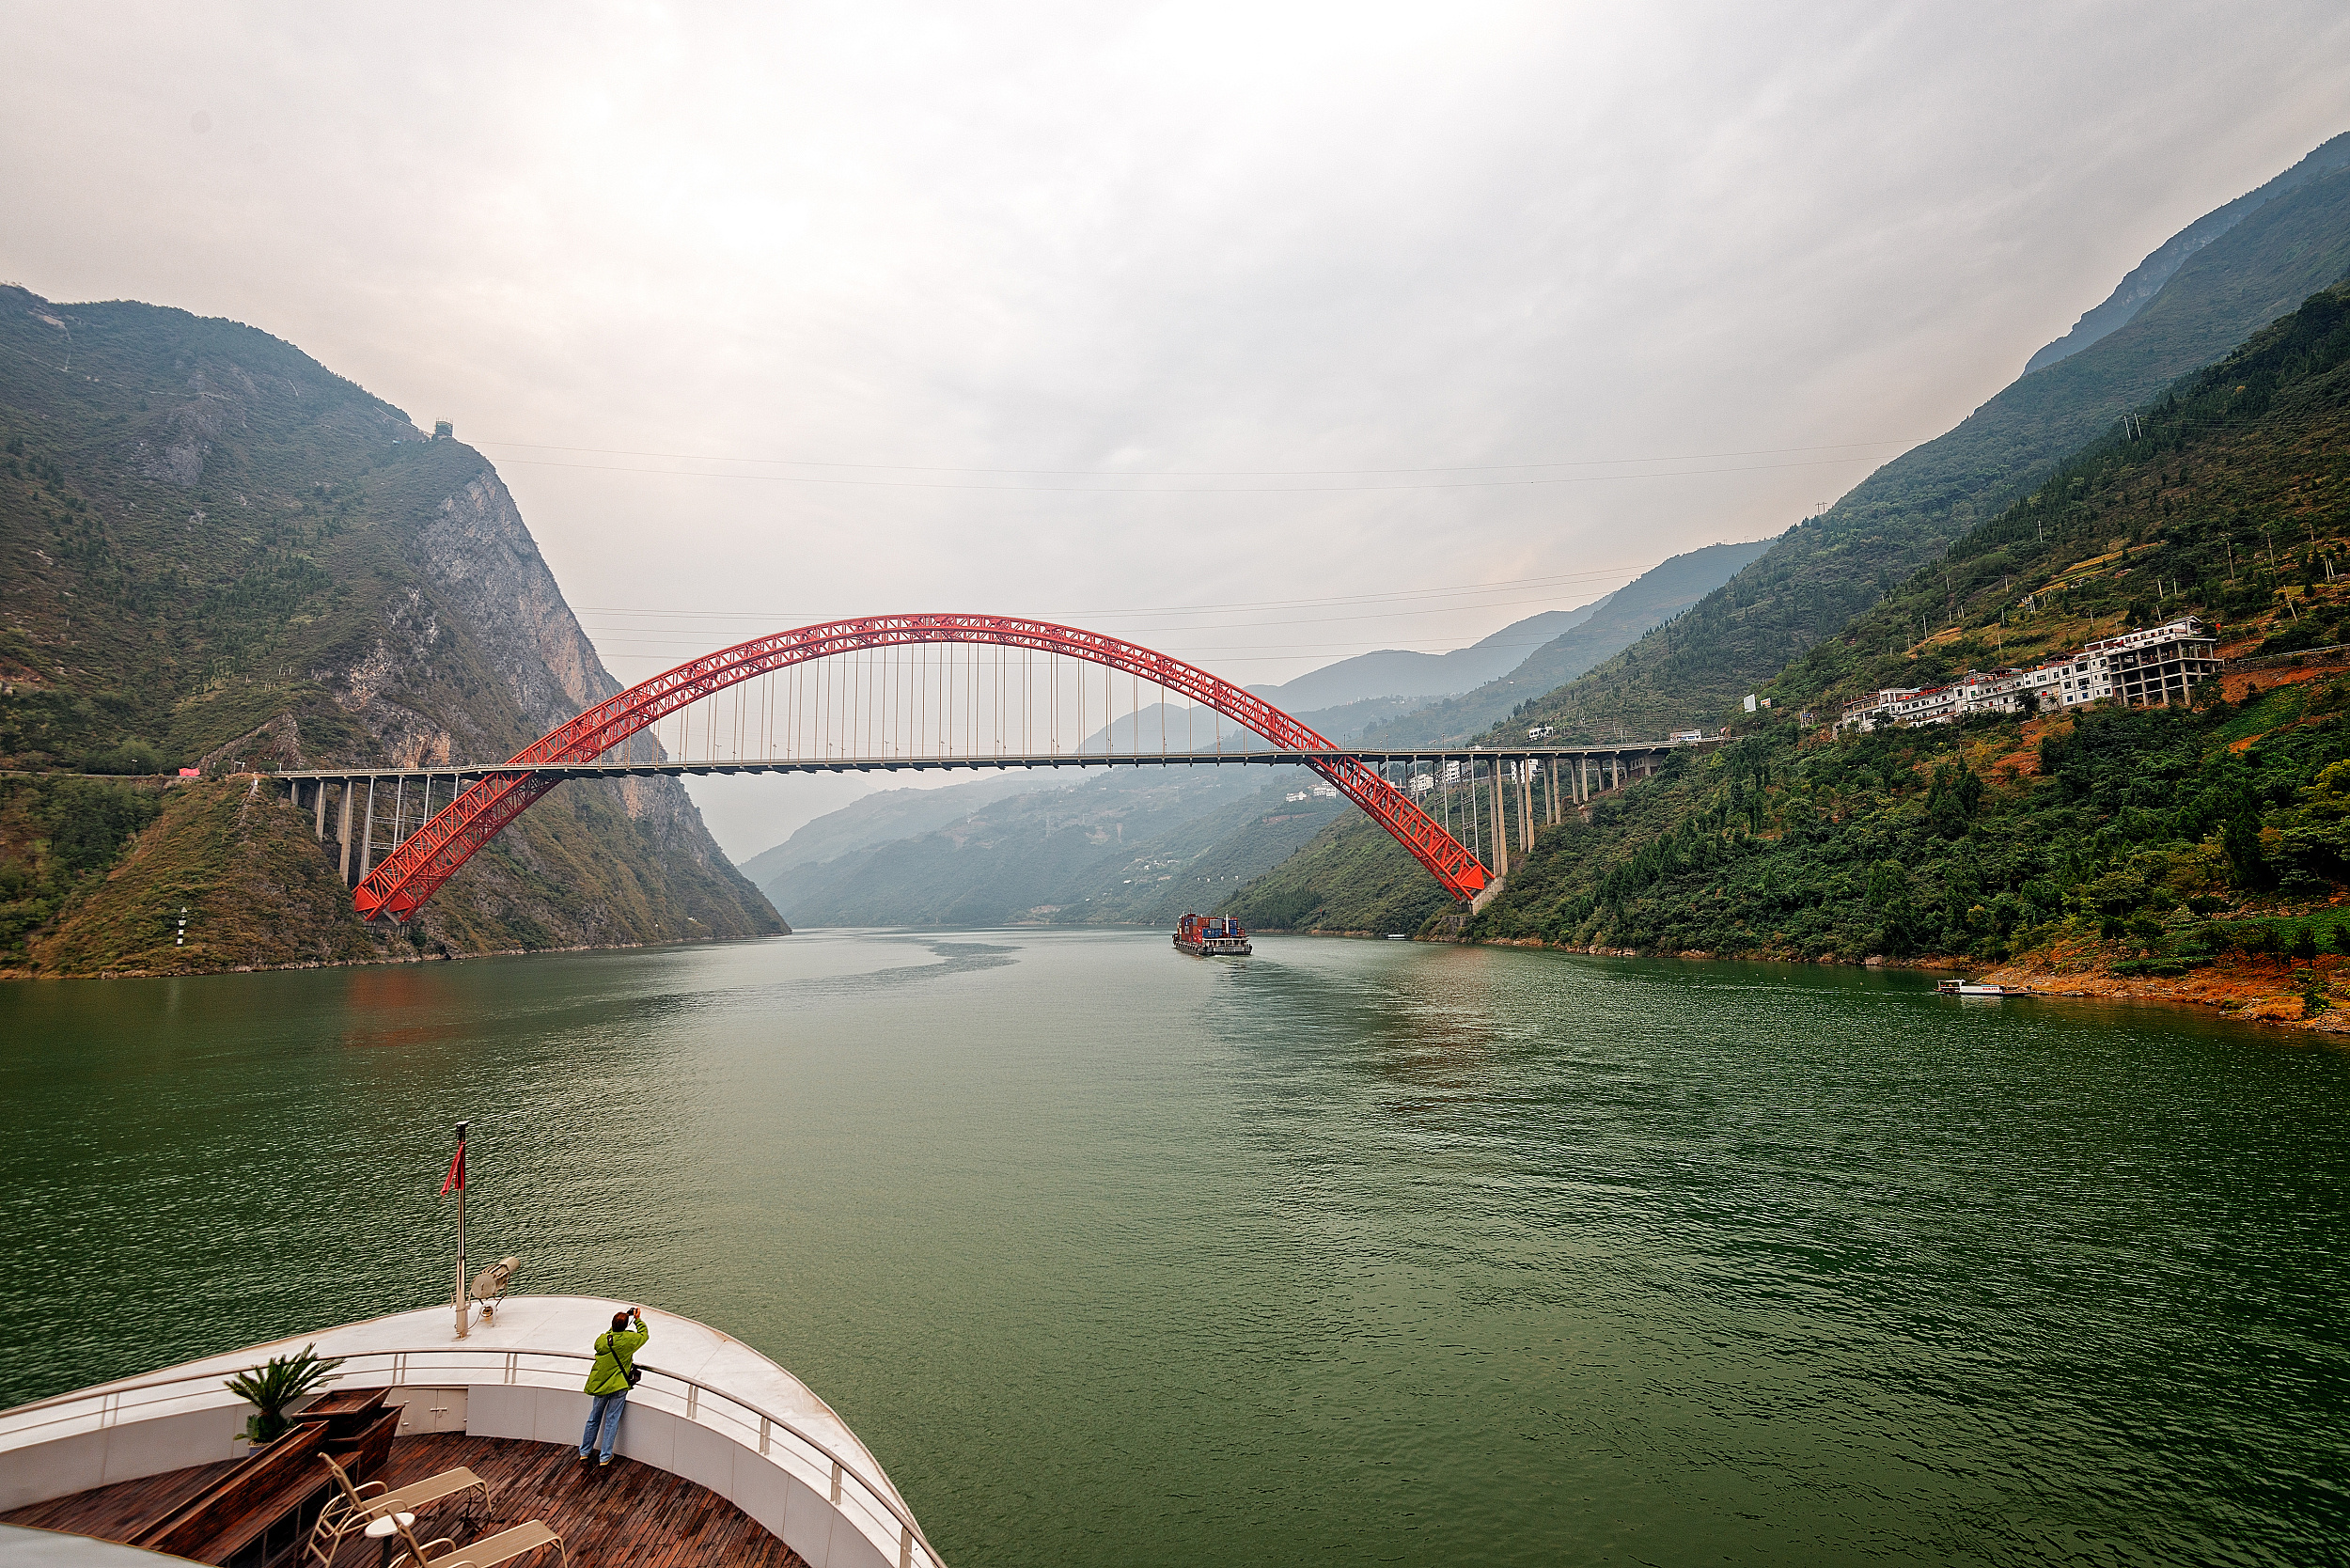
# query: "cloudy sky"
[[1266, 334]]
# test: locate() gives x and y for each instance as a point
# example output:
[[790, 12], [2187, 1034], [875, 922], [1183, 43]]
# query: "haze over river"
[[1351, 1252]]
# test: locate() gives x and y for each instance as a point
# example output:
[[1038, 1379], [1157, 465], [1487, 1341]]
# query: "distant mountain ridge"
[[1396, 672], [1657, 595], [2145, 280], [1816, 582], [1818, 575]]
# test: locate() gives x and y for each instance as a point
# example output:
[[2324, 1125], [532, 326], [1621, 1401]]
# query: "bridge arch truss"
[[419, 867]]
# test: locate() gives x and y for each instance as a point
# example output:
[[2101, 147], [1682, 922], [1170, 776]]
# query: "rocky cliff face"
[[214, 552]]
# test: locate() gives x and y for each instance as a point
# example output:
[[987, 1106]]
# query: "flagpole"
[[462, 1324]]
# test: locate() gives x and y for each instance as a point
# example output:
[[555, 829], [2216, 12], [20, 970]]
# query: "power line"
[[1319, 620], [1182, 472], [1503, 585], [1182, 489]]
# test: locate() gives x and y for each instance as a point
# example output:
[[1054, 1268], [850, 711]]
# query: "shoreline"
[[383, 962], [2247, 988], [2255, 989]]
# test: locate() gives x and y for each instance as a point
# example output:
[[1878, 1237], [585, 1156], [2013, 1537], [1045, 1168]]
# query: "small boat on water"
[[1211, 936], [1971, 988]]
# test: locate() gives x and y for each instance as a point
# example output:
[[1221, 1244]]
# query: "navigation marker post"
[[456, 1178]]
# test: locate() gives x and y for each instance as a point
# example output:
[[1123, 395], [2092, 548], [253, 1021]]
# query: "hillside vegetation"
[[1821, 574], [2146, 279], [241, 865], [2142, 842], [2226, 498], [216, 553], [1809, 597]]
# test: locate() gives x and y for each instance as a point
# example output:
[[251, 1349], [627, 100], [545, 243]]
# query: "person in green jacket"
[[609, 1381]]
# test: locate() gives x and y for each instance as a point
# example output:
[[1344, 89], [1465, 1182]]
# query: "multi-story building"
[[2149, 668]]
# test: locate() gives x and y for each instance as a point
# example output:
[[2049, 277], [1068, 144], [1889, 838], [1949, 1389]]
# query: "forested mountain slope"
[[2146, 841], [1650, 600], [213, 551], [2220, 499], [2146, 279], [1821, 574], [2229, 500]]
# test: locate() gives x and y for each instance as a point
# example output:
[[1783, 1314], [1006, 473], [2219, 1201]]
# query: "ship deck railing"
[[782, 1442]]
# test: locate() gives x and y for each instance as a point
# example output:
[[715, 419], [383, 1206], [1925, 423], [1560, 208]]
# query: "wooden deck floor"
[[624, 1516]]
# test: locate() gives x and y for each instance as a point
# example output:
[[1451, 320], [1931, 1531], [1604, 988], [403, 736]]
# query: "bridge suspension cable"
[[903, 688]]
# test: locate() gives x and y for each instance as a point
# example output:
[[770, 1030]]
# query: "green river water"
[[1350, 1253]]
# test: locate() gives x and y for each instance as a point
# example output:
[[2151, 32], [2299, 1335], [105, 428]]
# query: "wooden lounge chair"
[[359, 1504], [488, 1552]]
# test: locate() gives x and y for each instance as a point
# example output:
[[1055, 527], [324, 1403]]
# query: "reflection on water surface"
[[1349, 1251]]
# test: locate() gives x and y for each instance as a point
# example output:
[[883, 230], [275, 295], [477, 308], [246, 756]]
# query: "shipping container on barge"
[[1211, 936]]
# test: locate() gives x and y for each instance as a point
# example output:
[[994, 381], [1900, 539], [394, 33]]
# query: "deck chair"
[[488, 1552], [356, 1505]]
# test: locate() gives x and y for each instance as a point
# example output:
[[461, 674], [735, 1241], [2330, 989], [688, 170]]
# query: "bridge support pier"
[[317, 799], [367, 835], [346, 835], [1501, 825]]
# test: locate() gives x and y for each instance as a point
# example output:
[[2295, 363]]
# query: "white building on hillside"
[[2146, 668]]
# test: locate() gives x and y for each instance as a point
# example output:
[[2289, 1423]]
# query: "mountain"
[[1788, 610], [2146, 279], [1028, 857], [1655, 596], [901, 857], [2138, 843], [1395, 672], [1136, 846], [216, 553], [1820, 575], [878, 817]]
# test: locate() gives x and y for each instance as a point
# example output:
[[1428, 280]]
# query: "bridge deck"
[[629, 1513], [1233, 757]]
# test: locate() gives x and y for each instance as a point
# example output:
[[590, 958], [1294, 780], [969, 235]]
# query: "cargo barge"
[[1211, 936]]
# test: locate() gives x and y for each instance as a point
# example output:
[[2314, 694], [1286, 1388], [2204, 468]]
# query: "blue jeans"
[[605, 1413]]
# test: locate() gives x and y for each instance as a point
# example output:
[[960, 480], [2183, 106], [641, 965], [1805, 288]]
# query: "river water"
[[1350, 1253]]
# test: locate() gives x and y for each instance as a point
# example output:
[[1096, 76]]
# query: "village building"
[[2150, 668]]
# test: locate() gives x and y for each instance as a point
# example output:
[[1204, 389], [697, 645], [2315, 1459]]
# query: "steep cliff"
[[215, 553]]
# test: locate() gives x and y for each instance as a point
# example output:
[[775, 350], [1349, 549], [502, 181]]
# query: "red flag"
[[456, 1172]]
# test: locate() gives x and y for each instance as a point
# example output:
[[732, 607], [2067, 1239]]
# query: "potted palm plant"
[[275, 1384]]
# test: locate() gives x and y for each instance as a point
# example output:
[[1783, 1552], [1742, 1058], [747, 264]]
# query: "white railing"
[[777, 1439]]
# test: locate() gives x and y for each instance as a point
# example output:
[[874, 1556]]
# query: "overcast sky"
[[1106, 312]]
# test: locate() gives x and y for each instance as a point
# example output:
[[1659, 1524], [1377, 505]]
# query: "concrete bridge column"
[[366, 834], [1526, 804], [317, 798], [345, 833], [1500, 828]]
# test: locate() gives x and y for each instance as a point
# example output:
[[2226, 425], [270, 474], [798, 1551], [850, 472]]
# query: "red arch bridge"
[[952, 691]]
